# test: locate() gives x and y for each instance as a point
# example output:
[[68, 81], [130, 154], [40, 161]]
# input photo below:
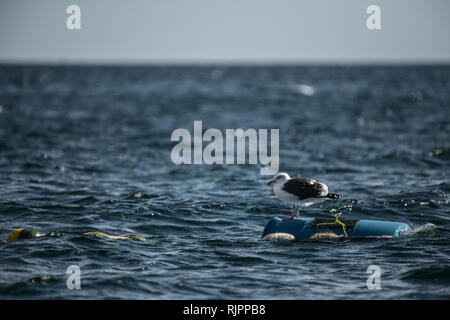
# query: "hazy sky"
[[256, 31]]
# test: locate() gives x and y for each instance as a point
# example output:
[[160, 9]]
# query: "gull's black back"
[[304, 188]]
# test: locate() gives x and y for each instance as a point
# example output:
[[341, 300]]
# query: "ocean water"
[[88, 149]]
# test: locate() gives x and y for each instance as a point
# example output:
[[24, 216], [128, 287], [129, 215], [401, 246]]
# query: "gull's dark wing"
[[305, 188]]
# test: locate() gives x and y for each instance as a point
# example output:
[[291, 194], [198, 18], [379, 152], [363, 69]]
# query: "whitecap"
[[303, 89], [424, 230]]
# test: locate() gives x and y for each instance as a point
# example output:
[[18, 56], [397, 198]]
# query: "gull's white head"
[[279, 178]]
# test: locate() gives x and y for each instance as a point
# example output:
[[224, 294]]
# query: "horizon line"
[[225, 62]]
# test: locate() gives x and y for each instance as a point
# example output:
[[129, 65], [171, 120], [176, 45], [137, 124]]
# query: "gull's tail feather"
[[333, 196]]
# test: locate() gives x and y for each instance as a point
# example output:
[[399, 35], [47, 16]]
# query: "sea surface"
[[88, 148]]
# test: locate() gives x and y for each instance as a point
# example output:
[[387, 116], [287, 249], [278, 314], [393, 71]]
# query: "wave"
[[421, 231]]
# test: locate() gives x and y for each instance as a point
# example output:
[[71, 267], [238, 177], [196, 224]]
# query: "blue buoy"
[[312, 228]]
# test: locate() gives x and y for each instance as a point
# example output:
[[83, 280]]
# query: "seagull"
[[299, 190]]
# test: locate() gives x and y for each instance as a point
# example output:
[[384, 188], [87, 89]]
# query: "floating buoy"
[[314, 228], [21, 233]]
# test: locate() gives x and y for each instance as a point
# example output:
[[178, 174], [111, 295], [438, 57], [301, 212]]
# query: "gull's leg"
[[292, 216], [298, 211]]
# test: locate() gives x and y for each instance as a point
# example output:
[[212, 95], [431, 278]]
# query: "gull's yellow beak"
[[269, 182]]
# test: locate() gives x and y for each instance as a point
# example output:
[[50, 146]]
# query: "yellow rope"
[[337, 221]]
